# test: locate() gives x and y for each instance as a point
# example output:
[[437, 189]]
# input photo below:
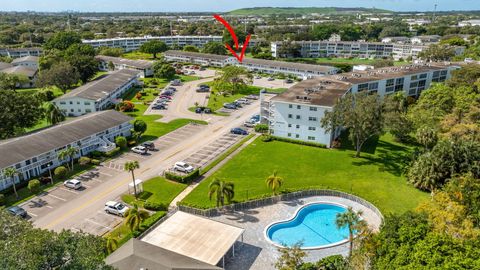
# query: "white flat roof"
[[200, 238]]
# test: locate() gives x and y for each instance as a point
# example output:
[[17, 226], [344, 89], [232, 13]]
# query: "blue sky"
[[225, 5]]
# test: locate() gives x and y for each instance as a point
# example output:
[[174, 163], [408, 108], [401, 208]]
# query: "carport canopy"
[[196, 237]]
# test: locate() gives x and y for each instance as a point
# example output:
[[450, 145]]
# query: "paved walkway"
[[192, 186]]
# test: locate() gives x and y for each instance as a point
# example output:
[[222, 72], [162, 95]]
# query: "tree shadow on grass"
[[388, 157], [369, 146]]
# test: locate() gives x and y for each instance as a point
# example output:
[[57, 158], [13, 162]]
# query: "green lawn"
[[376, 176], [158, 190], [136, 55]]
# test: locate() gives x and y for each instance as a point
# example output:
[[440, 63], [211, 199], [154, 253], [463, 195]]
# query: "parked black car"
[[203, 110], [230, 106], [238, 131], [149, 145]]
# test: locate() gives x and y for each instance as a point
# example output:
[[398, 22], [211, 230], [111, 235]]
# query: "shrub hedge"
[[147, 223], [113, 153], [314, 144], [183, 178], [155, 206]]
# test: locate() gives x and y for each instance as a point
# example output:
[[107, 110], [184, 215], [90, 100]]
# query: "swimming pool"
[[313, 225]]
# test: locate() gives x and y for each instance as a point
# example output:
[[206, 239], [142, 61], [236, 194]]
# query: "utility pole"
[[171, 28], [434, 13]]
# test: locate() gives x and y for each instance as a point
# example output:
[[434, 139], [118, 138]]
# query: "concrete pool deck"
[[258, 254]]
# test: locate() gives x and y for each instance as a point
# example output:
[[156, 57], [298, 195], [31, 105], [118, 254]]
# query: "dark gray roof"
[[289, 65], [197, 55], [100, 88], [65, 133], [25, 58], [137, 254], [20, 70], [140, 64], [4, 65]]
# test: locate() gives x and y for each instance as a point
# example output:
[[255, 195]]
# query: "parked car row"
[[144, 148], [239, 103], [253, 121], [203, 88], [203, 110], [161, 103]]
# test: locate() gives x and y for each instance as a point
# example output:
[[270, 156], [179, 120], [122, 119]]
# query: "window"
[[373, 86], [88, 110], [289, 125], [87, 103], [71, 110], [311, 118], [71, 102], [63, 102], [289, 134], [314, 109], [78, 102], [290, 116], [362, 87], [290, 106], [311, 138], [297, 126], [298, 116], [299, 107], [312, 128], [297, 136]]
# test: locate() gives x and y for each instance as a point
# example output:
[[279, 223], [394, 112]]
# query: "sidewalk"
[[192, 186]]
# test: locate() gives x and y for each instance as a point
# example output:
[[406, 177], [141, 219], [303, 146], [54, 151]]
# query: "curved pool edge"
[[265, 234]]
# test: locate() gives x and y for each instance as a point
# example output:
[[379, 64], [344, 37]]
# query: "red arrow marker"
[[234, 37]]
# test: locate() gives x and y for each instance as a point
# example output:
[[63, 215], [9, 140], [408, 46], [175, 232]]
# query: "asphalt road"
[[89, 204]]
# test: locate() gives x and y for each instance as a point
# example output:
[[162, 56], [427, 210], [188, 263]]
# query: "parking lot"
[[276, 83], [100, 222]]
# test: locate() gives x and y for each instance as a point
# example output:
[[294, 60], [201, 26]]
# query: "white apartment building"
[[296, 113], [98, 95], [35, 154], [26, 67], [134, 43], [299, 70], [469, 23], [26, 61], [205, 59], [20, 52], [144, 66]]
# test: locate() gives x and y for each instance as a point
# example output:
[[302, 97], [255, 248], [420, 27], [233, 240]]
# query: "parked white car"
[[116, 208], [73, 184], [139, 150], [183, 167]]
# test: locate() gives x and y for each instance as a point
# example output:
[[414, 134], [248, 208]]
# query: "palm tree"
[[222, 190], [353, 221], [10, 173], [131, 166], [274, 182], [135, 217], [68, 153], [54, 114], [112, 244]]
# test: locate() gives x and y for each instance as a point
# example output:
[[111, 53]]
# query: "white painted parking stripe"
[[32, 214], [87, 186], [96, 223], [56, 197], [107, 174], [48, 206], [71, 191]]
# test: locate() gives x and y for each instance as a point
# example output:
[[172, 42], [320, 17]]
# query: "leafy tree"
[[163, 70], [62, 75], [274, 182], [334, 262], [11, 81], [131, 166], [134, 218], [19, 111], [233, 80], [61, 172], [466, 191], [34, 185], [53, 114], [139, 127], [427, 137], [352, 220], [290, 257], [468, 76], [380, 63], [85, 65], [121, 142], [111, 66], [215, 48], [222, 190], [395, 116], [360, 113], [437, 52], [62, 40], [84, 161], [190, 48], [112, 244], [11, 172], [153, 47], [107, 51], [125, 106], [25, 247], [454, 41], [289, 49]]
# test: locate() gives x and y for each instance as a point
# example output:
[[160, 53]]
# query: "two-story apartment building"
[[134, 43], [98, 95], [144, 66], [26, 67], [20, 52], [296, 113], [205, 59], [36, 153]]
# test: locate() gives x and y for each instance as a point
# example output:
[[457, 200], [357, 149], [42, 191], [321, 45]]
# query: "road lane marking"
[[56, 197]]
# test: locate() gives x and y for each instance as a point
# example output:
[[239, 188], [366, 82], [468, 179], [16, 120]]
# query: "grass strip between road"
[[225, 155]]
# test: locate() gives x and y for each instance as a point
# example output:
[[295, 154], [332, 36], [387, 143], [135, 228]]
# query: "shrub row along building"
[[361, 49], [296, 113], [99, 94], [256, 65], [134, 43], [37, 153]]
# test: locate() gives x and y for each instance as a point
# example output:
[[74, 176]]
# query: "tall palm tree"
[[222, 191], [63, 155], [71, 153], [10, 173], [131, 166], [274, 182], [112, 244], [53, 114], [353, 221], [134, 217]]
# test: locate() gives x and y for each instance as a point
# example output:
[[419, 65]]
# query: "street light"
[[50, 172]]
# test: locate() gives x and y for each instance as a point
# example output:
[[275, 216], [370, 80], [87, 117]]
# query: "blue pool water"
[[314, 225]]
